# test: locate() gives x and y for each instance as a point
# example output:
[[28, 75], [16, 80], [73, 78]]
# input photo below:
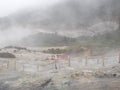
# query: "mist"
[[8, 7], [65, 17], [13, 35], [60, 44]]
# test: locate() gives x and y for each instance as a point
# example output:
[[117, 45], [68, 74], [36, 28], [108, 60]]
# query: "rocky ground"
[[33, 71]]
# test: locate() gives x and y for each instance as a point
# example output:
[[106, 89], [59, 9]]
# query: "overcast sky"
[[9, 6]]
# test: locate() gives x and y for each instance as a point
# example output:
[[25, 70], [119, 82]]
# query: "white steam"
[[13, 35]]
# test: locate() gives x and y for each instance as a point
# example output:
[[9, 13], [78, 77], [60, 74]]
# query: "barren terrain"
[[34, 70]]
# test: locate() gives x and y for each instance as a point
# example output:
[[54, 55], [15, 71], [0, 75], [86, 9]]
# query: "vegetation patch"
[[7, 55]]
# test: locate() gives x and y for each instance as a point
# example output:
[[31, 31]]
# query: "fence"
[[35, 66], [7, 64]]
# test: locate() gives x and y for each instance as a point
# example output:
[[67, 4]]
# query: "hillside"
[[71, 18], [47, 39]]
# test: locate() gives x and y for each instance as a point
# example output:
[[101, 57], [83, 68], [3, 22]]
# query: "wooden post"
[[97, 61], [2, 66], [103, 61], [119, 58], [7, 64], [23, 67], [86, 60], [15, 66], [69, 61], [55, 64]]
